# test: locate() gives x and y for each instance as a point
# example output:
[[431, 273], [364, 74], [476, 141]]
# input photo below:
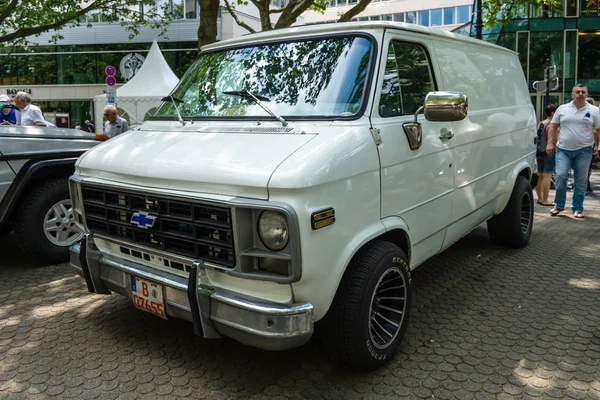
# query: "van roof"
[[345, 27]]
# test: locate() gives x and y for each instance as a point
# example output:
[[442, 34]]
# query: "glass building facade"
[[63, 78], [567, 35]]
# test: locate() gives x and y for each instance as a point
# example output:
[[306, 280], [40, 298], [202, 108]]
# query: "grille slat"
[[184, 228]]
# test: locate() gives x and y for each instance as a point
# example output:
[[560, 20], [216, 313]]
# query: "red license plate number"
[[148, 296]]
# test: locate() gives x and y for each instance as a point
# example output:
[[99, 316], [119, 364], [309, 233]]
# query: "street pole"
[[547, 80], [478, 21]]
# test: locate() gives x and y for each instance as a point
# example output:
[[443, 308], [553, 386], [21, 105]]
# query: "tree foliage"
[[21, 20], [503, 11], [290, 13]]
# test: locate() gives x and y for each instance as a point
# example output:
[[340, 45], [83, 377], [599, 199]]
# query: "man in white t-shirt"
[[30, 115], [579, 124]]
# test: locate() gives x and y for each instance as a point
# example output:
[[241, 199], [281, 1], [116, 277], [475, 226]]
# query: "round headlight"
[[273, 230]]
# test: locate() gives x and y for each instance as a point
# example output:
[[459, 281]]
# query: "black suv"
[[35, 163]]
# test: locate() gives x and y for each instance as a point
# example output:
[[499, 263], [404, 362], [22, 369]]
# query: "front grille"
[[188, 229]]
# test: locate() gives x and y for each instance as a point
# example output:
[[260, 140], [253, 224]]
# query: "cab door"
[[416, 183]]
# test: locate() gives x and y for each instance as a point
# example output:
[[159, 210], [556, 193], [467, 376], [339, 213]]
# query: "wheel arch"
[[29, 175], [521, 169], [391, 229]]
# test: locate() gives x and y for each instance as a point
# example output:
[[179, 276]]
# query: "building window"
[[424, 18], [386, 17], [449, 16], [411, 17], [546, 45], [375, 17], [588, 8], [191, 9], [571, 8], [399, 17], [463, 14], [436, 17]]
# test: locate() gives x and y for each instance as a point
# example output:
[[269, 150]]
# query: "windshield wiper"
[[175, 100], [257, 98]]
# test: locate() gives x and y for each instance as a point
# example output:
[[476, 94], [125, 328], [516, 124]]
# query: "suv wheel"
[[369, 314], [45, 223]]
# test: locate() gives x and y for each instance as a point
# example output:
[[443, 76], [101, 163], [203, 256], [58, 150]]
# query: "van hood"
[[230, 164]]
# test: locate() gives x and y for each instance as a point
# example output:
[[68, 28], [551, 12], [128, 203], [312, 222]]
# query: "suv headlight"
[[273, 230]]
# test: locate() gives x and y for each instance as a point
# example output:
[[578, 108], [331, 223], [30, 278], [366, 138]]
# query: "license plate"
[[148, 296]]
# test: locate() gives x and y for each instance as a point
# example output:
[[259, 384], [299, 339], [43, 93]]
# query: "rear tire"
[[369, 314], [513, 226], [45, 222]]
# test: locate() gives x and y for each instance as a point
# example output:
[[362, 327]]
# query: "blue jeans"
[[580, 161]]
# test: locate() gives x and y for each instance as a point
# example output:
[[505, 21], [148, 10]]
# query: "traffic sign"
[[540, 86], [110, 70], [111, 100], [110, 80]]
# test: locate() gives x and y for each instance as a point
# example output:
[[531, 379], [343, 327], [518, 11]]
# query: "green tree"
[[22, 19], [290, 13], [503, 11]]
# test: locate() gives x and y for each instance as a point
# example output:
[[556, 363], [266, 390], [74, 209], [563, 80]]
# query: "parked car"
[[290, 179], [35, 163]]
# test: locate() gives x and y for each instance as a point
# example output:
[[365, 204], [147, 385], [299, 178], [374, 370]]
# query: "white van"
[[297, 177]]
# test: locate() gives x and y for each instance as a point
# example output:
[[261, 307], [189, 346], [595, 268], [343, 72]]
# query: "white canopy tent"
[[138, 98]]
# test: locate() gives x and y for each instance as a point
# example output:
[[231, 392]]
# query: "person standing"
[[114, 124], [544, 161], [8, 116], [30, 115], [579, 124]]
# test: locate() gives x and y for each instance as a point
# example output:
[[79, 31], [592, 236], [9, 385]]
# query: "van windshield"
[[320, 77]]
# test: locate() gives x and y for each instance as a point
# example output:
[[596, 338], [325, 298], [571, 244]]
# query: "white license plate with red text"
[[148, 296]]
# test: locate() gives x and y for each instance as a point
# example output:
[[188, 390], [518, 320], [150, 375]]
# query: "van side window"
[[407, 80]]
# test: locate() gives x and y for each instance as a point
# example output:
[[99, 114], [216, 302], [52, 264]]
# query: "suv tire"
[[513, 226], [356, 328], [45, 222]]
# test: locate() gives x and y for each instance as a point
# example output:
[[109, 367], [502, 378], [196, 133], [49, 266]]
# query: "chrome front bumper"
[[213, 311]]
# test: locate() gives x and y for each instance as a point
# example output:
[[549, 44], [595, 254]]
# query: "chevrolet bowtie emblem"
[[143, 219]]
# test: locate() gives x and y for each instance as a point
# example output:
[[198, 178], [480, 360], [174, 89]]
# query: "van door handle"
[[445, 134]]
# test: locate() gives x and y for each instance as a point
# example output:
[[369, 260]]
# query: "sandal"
[[549, 204], [555, 211], [578, 215]]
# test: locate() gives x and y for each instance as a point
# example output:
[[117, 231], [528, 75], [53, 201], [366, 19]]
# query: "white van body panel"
[[497, 133], [188, 158], [416, 185]]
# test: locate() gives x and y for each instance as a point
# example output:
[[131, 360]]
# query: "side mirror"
[[446, 106]]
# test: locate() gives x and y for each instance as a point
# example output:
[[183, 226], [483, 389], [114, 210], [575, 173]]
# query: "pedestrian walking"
[[114, 124], [574, 145], [30, 115], [545, 162], [589, 189]]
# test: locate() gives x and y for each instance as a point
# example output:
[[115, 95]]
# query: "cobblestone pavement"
[[487, 323]]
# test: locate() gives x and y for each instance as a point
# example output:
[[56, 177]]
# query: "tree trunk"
[[263, 7], [207, 31]]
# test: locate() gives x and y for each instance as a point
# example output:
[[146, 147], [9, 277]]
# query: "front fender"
[[366, 235], [521, 168]]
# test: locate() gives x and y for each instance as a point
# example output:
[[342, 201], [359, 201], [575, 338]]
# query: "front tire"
[[369, 314], [45, 223], [513, 226]]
